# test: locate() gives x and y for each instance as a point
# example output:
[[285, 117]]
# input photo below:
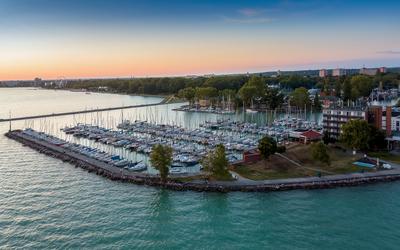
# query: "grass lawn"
[[386, 156], [341, 161], [258, 171], [278, 168]]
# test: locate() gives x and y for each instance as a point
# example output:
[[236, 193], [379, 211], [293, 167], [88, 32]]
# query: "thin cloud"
[[251, 12], [249, 16], [257, 20], [389, 52]]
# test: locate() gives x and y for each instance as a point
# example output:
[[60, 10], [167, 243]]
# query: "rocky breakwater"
[[114, 173]]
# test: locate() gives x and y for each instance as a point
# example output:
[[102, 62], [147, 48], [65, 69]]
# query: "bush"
[[319, 153], [267, 146], [281, 149]]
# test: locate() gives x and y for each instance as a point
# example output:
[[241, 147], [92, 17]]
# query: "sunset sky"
[[73, 39]]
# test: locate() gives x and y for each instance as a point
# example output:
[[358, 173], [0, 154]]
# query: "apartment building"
[[334, 118]]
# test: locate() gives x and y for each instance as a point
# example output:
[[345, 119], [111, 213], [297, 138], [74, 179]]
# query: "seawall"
[[117, 174]]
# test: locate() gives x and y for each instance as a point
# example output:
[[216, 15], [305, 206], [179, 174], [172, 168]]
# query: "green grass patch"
[[259, 171], [279, 168], [386, 156]]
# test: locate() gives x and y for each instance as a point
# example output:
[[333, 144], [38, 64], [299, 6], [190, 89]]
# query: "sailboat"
[[227, 109], [251, 110]]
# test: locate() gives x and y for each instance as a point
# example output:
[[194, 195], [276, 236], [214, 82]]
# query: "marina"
[[190, 145], [209, 110], [84, 158]]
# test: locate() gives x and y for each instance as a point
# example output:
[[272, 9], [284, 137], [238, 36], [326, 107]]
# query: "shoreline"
[[106, 92], [117, 174], [90, 91]]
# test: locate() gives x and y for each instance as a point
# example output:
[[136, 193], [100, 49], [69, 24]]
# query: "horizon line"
[[190, 75]]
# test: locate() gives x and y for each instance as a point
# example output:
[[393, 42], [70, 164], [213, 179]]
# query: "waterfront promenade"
[[242, 184]]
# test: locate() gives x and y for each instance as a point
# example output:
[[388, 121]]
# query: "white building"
[[338, 72], [323, 73]]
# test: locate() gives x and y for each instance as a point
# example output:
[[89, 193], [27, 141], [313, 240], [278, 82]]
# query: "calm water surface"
[[45, 203]]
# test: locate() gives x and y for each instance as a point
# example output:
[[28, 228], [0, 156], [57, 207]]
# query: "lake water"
[[45, 203]]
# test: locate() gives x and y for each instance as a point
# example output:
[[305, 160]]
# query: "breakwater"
[[164, 101], [118, 174]]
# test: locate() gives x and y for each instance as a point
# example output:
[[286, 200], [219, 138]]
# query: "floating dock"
[[115, 173]]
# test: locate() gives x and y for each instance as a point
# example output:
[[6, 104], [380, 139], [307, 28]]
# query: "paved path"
[[240, 182]]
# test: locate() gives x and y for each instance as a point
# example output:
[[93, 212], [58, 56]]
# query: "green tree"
[[362, 85], [338, 88], [228, 93], [356, 134], [258, 83], [206, 93], [267, 147], [327, 138], [300, 98], [188, 94], [273, 98], [376, 138], [254, 89], [161, 159], [347, 90], [317, 103], [216, 163], [319, 153], [247, 93]]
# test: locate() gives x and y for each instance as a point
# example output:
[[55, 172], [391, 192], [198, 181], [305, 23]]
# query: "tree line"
[[352, 87], [245, 90], [159, 86]]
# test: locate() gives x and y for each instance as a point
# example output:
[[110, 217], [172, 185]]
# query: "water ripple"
[[45, 203]]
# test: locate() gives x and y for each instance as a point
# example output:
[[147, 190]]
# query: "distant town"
[[62, 82]]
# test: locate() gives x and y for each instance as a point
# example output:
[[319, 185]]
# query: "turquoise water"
[[45, 203]]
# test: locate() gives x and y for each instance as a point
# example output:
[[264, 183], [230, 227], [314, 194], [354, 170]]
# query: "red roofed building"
[[251, 156], [310, 136], [305, 136]]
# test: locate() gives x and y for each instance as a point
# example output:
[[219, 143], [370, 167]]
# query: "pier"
[[164, 101], [244, 185]]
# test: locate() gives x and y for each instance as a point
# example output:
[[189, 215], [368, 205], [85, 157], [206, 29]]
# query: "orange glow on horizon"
[[139, 58]]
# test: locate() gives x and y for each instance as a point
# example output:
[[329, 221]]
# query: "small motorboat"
[[138, 166]]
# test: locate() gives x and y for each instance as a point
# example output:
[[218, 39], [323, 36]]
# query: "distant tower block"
[[380, 85], [339, 72], [323, 73]]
